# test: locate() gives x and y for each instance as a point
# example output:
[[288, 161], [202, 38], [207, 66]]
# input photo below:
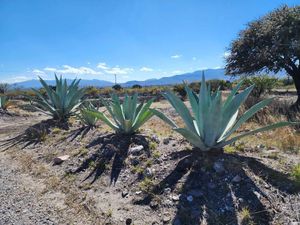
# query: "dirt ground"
[[154, 177]]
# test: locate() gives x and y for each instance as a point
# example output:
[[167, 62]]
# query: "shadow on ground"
[[213, 197], [110, 156], [32, 135]]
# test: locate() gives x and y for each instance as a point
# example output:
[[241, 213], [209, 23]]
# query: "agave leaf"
[[262, 129], [104, 118], [164, 118], [192, 138]]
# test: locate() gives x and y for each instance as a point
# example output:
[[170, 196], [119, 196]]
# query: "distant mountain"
[[176, 79], [83, 83]]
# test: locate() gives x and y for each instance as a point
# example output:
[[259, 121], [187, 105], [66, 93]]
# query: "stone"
[[166, 218], [137, 150], [219, 167], [236, 179], [128, 221], [166, 141], [138, 192], [124, 193], [189, 198], [155, 138], [175, 198], [60, 159], [167, 190], [148, 172], [154, 204]]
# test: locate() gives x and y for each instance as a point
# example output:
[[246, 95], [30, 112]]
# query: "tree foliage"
[[271, 43]]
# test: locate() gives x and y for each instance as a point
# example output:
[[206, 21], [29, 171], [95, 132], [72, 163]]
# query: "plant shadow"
[[111, 155], [32, 135], [207, 197]]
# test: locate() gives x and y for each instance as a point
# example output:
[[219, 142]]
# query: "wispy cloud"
[[114, 70], [16, 79], [218, 67], [226, 54], [146, 69], [177, 56], [66, 69]]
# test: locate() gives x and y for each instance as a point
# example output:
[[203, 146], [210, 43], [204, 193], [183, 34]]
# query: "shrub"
[[117, 87], [136, 86], [60, 103], [263, 84], [213, 121]]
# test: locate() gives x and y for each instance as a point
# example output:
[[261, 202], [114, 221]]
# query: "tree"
[[271, 43]]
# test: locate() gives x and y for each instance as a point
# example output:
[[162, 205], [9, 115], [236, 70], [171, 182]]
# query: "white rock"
[[60, 159]]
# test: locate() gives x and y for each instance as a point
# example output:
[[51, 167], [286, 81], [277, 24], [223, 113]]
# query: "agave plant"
[[87, 115], [60, 102], [127, 117], [213, 121], [4, 103]]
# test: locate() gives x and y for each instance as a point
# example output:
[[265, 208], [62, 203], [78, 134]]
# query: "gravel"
[[19, 198]]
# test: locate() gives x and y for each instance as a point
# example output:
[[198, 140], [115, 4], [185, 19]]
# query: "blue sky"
[[135, 39]]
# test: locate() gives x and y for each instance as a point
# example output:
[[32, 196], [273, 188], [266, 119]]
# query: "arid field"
[[152, 177]]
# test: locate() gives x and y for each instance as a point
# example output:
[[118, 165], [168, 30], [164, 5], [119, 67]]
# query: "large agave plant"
[[4, 103], [127, 117], [60, 102], [213, 120]]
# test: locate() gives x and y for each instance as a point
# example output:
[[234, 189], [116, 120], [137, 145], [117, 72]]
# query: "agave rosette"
[[60, 102], [212, 121], [126, 117]]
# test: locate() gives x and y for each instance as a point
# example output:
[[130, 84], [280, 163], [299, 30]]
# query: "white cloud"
[[177, 72], [226, 54], [17, 79], [66, 69], [176, 56], [114, 70], [146, 69], [218, 67]]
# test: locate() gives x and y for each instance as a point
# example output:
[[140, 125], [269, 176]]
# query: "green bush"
[[263, 84]]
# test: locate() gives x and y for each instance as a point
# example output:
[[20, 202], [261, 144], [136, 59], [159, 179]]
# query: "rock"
[[167, 190], [148, 172], [138, 192], [60, 159], [175, 198], [166, 218], [189, 198], [137, 150], [219, 167], [134, 161], [166, 141], [128, 221], [155, 138], [236, 179], [196, 193], [154, 204], [124, 193]]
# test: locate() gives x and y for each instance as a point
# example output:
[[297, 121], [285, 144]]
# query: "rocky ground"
[[154, 177]]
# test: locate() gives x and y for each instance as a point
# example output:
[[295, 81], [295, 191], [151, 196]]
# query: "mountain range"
[[176, 79]]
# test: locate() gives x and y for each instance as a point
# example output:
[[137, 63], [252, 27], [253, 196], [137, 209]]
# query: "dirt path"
[[19, 197]]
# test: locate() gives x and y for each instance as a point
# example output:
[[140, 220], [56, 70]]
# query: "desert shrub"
[[92, 91], [222, 84], [136, 86], [117, 87], [263, 84], [296, 173]]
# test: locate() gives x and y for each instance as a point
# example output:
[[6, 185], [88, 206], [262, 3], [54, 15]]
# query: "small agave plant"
[[60, 102], [213, 120], [4, 103], [86, 117], [127, 117]]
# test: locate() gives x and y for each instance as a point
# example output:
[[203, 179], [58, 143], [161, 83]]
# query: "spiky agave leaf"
[[61, 102], [85, 115], [4, 102], [126, 117], [213, 121]]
